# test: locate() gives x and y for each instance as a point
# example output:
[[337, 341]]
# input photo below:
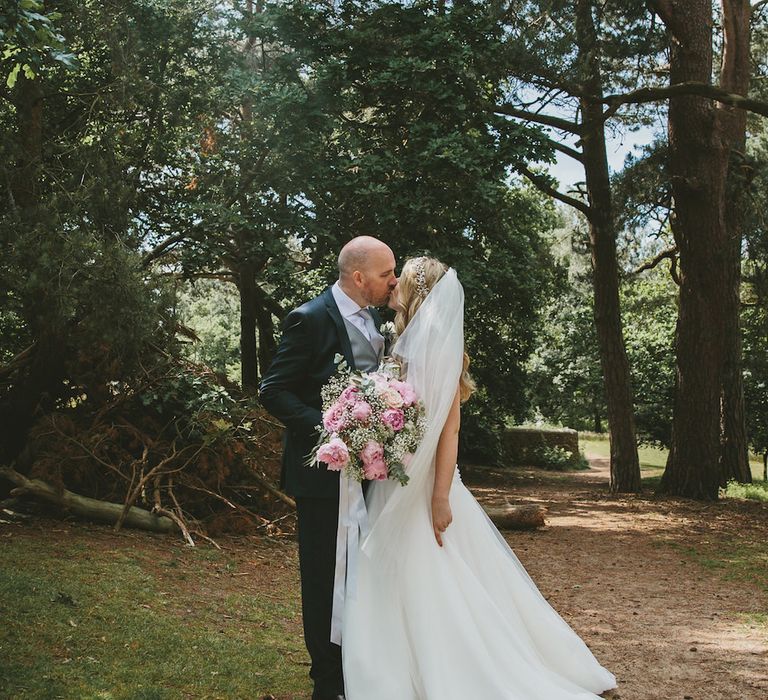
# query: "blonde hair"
[[418, 276]]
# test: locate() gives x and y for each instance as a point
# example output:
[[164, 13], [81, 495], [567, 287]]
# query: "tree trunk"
[[698, 168], [267, 344], [246, 285], [625, 465], [734, 77], [29, 111]]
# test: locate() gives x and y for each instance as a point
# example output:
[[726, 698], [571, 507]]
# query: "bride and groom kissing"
[[440, 607]]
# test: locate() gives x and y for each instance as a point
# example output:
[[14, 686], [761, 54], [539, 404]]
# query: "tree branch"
[[570, 152], [546, 188], [664, 9], [544, 119], [690, 88], [670, 253]]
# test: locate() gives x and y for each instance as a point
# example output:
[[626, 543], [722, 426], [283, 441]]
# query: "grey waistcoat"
[[366, 358]]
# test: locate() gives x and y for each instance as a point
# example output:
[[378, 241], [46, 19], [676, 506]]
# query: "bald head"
[[356, 254], [367, 270]]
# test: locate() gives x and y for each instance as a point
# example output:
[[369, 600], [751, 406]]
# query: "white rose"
[[391, 397]]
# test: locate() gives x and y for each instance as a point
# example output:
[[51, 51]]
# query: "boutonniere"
[[388, 331]]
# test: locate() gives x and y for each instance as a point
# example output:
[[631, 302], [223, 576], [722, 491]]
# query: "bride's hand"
[[441, 517]]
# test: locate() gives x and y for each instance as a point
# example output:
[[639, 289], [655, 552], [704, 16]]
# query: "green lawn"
[[653, 459], [118, 624]]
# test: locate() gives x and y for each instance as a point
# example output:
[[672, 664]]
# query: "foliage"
[[565, 377], [756, 491], [558, 459], [193, 441], [30, 40], [650, 312], [755, 300], [211, 308], [403, 147]]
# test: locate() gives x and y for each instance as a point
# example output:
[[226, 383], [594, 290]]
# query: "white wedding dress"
[[464, 621]]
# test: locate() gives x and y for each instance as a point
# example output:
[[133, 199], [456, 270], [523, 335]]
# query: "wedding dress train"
[[464, 621]]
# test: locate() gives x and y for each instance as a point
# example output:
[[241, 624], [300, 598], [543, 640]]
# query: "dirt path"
[[620, 571]]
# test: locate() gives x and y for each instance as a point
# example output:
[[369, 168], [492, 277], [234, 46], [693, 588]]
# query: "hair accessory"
[[421, 278]]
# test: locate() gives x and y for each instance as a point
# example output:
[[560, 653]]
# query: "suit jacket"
[[290, 390]]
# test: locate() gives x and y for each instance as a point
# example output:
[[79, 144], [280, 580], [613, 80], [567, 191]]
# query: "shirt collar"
[[347, 307]]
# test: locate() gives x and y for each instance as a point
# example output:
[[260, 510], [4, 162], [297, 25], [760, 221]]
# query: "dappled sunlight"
[[665, 591]]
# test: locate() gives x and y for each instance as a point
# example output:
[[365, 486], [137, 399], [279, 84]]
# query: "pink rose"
[[406, 391], [376, 470], [334, 419], [361, 411], [391, 397], [372, 452], [334, 453], [394, 418]]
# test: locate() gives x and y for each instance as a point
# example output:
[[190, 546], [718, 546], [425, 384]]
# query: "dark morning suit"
[[290, 390]]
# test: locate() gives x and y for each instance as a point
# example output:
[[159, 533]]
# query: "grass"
[[653, 460], [118, 625], [756, 491], [735, 561]]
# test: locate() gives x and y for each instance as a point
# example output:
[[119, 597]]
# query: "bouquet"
[[372, 423]]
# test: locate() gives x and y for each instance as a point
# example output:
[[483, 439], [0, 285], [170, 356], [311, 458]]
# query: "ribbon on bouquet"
[[353, 524]]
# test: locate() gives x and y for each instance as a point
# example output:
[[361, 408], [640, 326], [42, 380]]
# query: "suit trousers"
[[318, 522]]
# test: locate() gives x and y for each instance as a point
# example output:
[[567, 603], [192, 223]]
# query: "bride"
[[442, 607]]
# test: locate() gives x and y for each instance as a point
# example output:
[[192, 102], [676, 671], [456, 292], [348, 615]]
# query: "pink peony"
[[334, 453], [376, 470], [406, 391], [372, 452], [334, 419], [394, 418], [349, 395], [361, 411]]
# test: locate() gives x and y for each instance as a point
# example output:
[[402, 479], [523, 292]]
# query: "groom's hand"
[[441, 517]]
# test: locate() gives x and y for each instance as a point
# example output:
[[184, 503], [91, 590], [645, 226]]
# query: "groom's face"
[[378, 279]]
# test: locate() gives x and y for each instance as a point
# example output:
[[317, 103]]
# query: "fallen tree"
[[509, 517], [90, 508]]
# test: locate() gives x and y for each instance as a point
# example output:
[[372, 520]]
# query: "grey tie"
[[376, 339]]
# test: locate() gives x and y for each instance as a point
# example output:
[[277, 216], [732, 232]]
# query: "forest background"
[[177, 175]]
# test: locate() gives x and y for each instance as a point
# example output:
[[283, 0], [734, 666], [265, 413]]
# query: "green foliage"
[[416, 158], [557, 459], [756, 491], [650, 312], [755, 300], [30, 40], [211, 308], [566, 384]]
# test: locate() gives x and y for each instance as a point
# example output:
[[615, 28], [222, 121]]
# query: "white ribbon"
[[353, 523]]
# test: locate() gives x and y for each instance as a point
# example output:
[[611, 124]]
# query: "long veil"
[[431, 352]]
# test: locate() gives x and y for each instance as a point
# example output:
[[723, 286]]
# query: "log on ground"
[[527, 517], [90, 508]]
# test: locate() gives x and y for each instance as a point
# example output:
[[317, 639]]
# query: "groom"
[[337, 321]]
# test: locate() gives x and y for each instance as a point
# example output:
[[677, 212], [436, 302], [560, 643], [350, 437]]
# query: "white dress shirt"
[[350, 310]]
